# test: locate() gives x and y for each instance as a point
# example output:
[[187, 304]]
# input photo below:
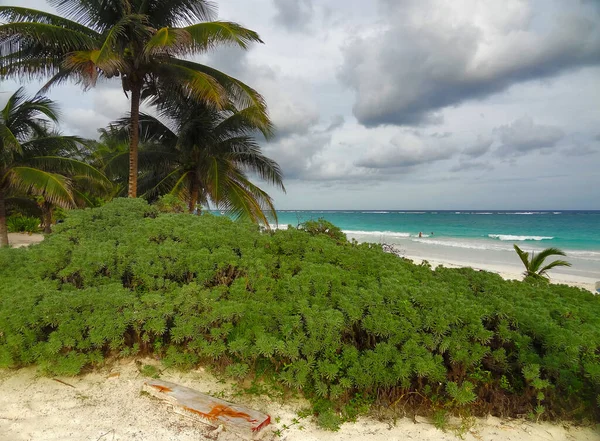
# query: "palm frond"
[[35, 66], [22, 114], [247, 121], [538, 259], [13, 14], [180, 188], [200, 37], [50, 37], [172, 182], [238, 93], [246, 154], [53, 144], [175, 12], [8, 140], [131, 27], [83, 63], [70, 167], [244, 200], [58, 76], [554, 264], [524, 256], [168, 41], [177, 79], [55, 188], [98, 15], [152, 130]]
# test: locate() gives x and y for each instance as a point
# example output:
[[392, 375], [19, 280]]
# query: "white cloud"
[[523, 136]]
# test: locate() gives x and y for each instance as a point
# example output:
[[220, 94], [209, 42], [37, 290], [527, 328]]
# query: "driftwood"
[[241, 420]]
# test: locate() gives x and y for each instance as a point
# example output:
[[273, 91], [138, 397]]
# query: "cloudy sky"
[[413, 104]]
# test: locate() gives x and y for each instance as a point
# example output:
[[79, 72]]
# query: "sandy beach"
[[508, 272], [107, 405], [584, 272]]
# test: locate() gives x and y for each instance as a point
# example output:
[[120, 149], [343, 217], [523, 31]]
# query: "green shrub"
[[169, 203], [344, 323], [322, 226], [22, 224]]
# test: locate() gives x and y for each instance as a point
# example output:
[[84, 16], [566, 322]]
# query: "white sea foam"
[[376, 212], [377, 233], [486, 213], [467, 245], [591, 255], [518, 238]]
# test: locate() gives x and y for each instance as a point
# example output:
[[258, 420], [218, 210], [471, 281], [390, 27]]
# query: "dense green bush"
[[169, 203], [22, 224], [345, 323]]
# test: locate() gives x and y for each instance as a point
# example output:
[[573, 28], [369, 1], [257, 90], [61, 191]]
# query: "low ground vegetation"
[[23, 224], [346, 324]]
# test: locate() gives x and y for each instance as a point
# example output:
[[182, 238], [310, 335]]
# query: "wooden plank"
[[209, 410]]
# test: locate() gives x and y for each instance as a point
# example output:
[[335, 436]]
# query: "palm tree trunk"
[[194, 193], [47, 214], [3, 230], [134, 139]]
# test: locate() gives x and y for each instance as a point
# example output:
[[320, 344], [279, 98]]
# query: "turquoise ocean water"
[[577, 232]]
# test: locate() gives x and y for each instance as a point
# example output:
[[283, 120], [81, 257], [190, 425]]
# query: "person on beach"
[[420, 234]]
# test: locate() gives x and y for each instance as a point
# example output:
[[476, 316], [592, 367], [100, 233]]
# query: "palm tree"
[[137, 40], [204, 155], [32, 157], [533, 266]]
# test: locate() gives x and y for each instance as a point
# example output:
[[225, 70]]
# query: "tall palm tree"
[[533, 266], [204, 155], [32, 157], [139, 41]]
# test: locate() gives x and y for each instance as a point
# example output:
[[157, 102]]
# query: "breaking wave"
[[518, 238]]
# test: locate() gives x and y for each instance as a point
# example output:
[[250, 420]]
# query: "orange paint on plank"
[[160, 388], [262, 425], [221, 410]]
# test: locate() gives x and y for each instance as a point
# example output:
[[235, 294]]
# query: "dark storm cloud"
[[523, 136], [427, 55], [294, 15]]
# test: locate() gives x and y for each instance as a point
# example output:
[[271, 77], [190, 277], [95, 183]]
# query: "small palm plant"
[[533, 266]]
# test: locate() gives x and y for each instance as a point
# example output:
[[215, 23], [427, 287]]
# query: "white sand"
[[18, 240], [107, 405], [510, 272]]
